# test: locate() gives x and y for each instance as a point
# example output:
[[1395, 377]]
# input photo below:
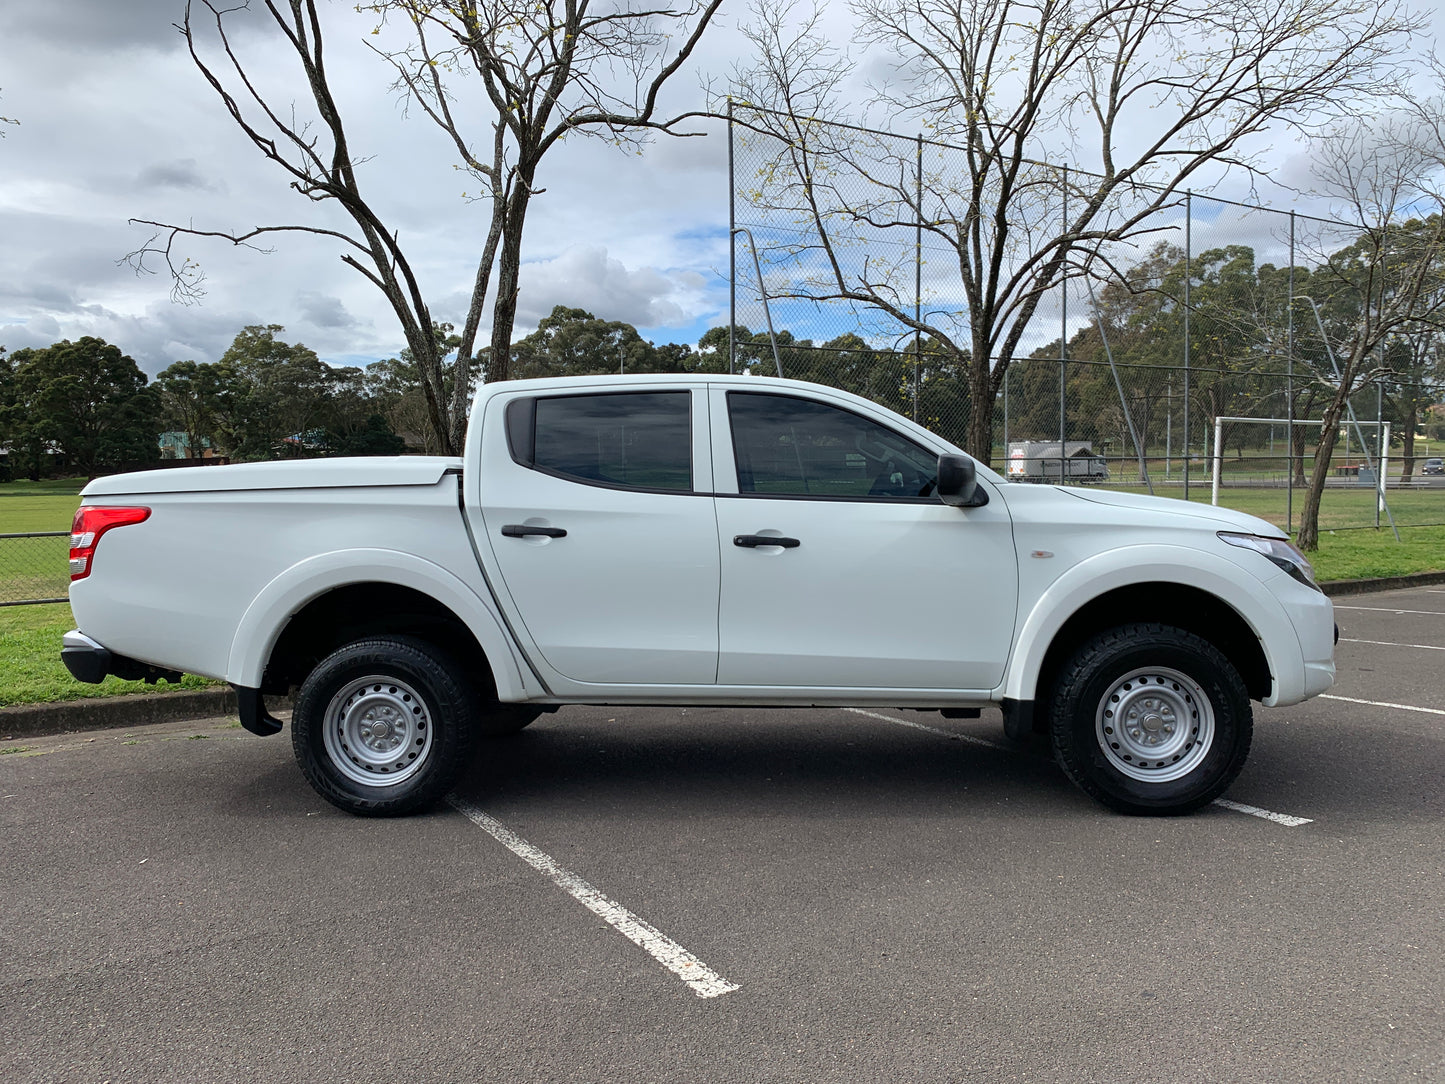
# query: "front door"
[[873, 583]]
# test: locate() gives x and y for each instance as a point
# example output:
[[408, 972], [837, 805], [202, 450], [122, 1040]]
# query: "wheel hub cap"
[[1154, 724], [378, 731]]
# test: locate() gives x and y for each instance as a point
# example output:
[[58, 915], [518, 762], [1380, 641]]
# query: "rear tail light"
[[89, 524]]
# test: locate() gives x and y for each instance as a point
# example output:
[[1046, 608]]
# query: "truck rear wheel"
[[1150, 719], [384, 726]]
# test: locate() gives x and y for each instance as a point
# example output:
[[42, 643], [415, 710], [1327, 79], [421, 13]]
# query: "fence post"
[[732, 246], [1289, 388], [918, 275], [1064, 329], [1006, 372], [1188, 301]]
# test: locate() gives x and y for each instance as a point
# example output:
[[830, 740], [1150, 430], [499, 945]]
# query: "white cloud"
[[586, 277]]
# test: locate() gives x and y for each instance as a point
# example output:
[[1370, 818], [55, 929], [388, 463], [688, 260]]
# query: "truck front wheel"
[[1150, 719], [384, 726]]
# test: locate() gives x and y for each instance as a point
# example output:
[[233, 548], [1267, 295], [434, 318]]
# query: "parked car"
[[685, 540]]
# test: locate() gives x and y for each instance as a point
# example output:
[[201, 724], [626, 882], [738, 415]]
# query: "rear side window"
[[631, 440]]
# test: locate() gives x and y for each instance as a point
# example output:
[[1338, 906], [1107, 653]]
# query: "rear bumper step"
[[92, 662]]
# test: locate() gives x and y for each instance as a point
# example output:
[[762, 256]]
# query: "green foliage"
[[194, 398], [84, 400], [573, 342]]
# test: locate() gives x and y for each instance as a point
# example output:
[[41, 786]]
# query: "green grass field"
[[31, 671]]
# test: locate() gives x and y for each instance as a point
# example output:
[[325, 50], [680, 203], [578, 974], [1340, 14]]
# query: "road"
[[883, 896]]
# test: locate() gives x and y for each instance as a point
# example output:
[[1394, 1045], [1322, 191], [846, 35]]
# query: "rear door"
[[873, 582], [596, 508]]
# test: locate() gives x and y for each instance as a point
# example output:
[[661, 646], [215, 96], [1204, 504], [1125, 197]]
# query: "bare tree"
[[505, 80], [1149, 95], [1390, 173]]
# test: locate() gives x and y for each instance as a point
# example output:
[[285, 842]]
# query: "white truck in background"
[[695, 540]]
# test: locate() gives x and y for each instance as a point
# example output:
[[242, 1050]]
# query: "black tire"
[[383, 726], [1150, 719]]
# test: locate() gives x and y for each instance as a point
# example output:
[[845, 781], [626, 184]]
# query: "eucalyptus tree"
[[1145, 96], [504, 80]]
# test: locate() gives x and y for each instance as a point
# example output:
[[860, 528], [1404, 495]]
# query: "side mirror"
[[958, 482]]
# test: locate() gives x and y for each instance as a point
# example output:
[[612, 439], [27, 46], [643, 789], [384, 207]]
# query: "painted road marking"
[[1387, 643], [1392, 610], [1254, 811], [1381, 704], [933, 730], [704, 981], [1238, 807]]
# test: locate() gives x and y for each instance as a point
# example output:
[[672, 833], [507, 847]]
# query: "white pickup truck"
[[695, 540]]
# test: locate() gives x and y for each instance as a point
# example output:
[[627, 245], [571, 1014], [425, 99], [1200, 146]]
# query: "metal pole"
[[732, 247], [1379, 444], [1289, 390], [1168, 426], [1188, 274], [1119, 384], [918, 276], [1005, 422], [763, 293], [1064, 327], [1218, 457]]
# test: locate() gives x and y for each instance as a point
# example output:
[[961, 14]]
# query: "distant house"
[[175, 445]]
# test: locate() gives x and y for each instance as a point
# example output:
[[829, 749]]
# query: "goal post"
[[1218, 456]]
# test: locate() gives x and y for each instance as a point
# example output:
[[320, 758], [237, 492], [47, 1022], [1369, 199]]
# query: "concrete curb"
[[1382, 583], [116, 712], [113, 712]]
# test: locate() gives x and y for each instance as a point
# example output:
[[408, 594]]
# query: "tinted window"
[[803, 448], [639, 440]]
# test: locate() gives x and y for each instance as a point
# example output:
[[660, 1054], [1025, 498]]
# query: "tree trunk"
[[980, 408], [504, 311], [1308, 537]]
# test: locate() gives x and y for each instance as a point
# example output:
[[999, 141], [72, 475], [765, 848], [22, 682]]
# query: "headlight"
[[1281, 551]]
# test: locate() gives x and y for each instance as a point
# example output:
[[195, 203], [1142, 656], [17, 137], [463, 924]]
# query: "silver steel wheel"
[[1155, 724], [377, 731]]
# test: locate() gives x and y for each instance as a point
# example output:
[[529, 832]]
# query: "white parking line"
[[1391, 610], [1381, 704], [1238, 807], [932, 730], [1254, 811], [704, 981], [1387, 643]]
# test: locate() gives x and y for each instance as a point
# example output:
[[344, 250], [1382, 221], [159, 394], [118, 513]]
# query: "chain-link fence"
[[34, 567], [1191, 359]]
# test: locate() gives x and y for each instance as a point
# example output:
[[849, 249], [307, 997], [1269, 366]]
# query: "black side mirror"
[[958, 482]]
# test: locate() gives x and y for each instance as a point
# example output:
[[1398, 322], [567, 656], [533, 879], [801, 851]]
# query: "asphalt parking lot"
[[709, 895]]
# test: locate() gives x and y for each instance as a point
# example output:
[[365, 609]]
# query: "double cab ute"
[[695, 540]]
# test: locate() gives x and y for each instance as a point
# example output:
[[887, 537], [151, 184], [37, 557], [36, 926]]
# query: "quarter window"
[[798, 447], [633, 440]]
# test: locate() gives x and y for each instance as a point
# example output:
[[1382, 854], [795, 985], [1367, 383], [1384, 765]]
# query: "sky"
[[116, 123]]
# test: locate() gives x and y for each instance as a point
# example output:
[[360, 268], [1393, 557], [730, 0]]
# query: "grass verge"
[[30, 668]]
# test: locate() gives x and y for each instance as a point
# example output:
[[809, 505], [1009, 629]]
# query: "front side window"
[[797, 447], [633, 440]]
